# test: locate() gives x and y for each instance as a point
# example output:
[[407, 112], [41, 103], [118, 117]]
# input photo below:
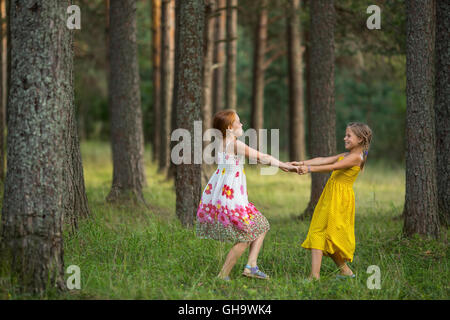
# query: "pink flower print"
[[227, 157], [208, 189], [236, 222], [237, 162], [237, 174], [201, 215], [242, 189], [217, 172], [228, 192], [223, 219]]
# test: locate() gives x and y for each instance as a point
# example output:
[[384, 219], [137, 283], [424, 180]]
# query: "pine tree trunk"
[[40, 102], [156, 70], [322, 109], [189, 62], [2, 90], [421, 208], [296, 104], [231, 47], [219, 56], [260, 43], [125, 105], [207, 65], [167, 76], [441, 106]]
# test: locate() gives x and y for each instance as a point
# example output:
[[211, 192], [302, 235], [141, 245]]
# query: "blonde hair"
[[362, 131]]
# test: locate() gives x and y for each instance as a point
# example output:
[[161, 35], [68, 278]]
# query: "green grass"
[[129, 253]]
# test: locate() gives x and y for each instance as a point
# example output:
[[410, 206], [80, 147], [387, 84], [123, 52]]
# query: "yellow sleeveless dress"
[[333, 221]]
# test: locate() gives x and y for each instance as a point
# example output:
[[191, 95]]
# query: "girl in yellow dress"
[[331, 232]]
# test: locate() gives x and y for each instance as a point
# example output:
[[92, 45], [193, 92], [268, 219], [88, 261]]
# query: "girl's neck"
[[356, 150]]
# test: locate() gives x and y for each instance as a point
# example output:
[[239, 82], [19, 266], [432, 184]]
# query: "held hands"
[[295, 166]]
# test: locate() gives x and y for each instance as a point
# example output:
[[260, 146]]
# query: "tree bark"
[[231, 48], [156, 70], [421, 208], [219, 57], [40, 103], [207, 65], [322, 109], [167, 76], [296, 104], [3, 84], [125, 105], [189, 62], [260, 43], [441, 106]]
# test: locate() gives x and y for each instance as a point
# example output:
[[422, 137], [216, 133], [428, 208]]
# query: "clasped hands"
[[295, 166]]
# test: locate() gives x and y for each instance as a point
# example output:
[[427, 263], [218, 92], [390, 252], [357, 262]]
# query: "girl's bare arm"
[[250, 153], [318, 161], [348, 162]]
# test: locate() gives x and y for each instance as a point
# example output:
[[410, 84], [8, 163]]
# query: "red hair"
[[223, 119]]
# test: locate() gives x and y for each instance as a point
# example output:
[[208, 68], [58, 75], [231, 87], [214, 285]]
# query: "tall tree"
[[231, 50], [207, 64], [441, 106], [3, 84], [322, 109], [156, 70], [219, 56], [125, 105], [260, 43], [40, 103], [167, 76], [421, 207], [189, 61], [295, 61]]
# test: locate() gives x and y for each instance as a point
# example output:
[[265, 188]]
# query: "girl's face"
[[236, 127], [351, 140]]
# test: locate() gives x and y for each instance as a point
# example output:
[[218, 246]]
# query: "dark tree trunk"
[[219, 56], [322, 110], [189, 62], [125, 105], [207, 65], [421, 208], [40, 100], [156, 70], [260, 43], [167, 74], [296, 104], [4, 44], [441, 106], [230, 95]]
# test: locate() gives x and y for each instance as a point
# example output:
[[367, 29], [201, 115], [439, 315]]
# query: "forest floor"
[[134, 253]]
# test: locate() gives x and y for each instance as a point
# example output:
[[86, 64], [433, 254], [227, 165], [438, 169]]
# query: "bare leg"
[[316, 261], [345, 270], [232, 257], [255, 246]]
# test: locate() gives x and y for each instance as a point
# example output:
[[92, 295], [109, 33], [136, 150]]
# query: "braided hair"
[[362, 131]]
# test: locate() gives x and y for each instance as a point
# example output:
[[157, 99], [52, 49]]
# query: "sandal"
[[254, 273]]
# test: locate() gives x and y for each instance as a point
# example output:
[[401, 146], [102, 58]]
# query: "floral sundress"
[[224, 212]]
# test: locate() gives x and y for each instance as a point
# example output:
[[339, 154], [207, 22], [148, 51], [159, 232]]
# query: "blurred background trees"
[[369, 71]]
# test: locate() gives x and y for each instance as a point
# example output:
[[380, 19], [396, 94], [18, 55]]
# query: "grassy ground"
[[126, 253]]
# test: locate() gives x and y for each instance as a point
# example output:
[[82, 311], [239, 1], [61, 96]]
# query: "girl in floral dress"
[[224, 212]]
